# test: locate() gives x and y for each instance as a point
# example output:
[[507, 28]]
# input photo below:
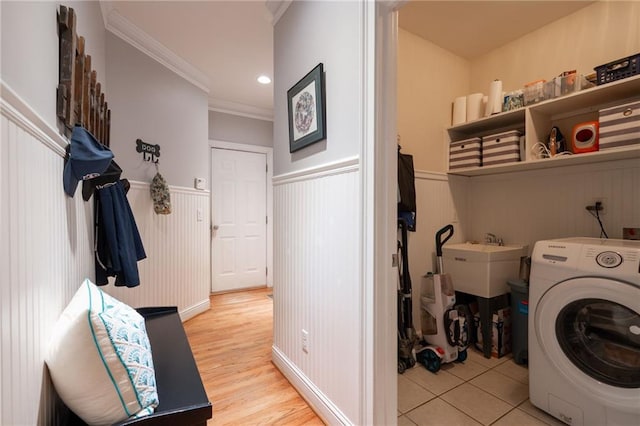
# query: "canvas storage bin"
[[500, 332], [620, 125], [501, 148], [465, 153]]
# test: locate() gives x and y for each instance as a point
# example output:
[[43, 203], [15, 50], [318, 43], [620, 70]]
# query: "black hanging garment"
[[118, 243], [406, 190]]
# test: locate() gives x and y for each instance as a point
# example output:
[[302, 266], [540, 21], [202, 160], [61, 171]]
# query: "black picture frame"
[[307, 110]]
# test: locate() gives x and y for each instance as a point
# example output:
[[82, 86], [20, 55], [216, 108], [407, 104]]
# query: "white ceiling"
[[231, 42], [472, 28]]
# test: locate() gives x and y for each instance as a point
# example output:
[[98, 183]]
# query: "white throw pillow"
[[100, 358]]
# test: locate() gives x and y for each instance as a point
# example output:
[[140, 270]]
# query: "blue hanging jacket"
[[118, 244]]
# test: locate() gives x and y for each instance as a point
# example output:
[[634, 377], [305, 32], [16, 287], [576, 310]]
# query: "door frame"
[[268, 151], [378, 160]]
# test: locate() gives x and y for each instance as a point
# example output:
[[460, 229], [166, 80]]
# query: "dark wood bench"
[[183, 400]]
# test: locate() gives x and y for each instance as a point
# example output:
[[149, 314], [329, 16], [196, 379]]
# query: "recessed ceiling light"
[[263, 79]]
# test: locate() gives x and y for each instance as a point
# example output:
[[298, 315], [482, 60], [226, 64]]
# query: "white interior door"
[[239, 249]]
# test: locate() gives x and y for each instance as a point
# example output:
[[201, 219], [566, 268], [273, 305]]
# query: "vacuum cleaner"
[[410, 348], [444, 324]]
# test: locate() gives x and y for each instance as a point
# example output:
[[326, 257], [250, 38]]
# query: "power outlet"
[[305, 341], [601, 207]]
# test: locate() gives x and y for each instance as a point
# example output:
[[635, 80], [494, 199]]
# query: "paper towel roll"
[[474, 106], [459, 110], [494, 101], [485, 109]]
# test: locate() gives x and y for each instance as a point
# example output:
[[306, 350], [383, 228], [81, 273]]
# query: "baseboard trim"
[[323, 407], [194, 310], [240, 290]]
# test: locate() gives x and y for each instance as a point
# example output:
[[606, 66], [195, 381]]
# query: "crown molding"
[[105, 7], [277, 9], [130, 33], [243, 110]]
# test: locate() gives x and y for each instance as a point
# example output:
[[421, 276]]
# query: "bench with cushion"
[[181, 395]]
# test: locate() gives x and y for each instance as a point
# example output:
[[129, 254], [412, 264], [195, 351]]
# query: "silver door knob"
[[215, 227]]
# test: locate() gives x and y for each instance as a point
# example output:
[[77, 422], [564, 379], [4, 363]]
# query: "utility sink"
[[482, 269]]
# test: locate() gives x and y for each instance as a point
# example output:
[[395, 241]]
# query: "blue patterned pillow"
[[100, 359], [128, 336]]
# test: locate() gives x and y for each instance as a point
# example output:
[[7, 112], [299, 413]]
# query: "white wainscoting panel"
[[522, 207], [316, 287], [537, 205], [437, 205], [176, 270], [45, 253]]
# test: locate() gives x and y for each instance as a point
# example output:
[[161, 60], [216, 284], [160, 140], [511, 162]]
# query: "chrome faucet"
[[490, 238]]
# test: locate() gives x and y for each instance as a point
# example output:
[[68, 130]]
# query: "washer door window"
[[588, 329], [602, 338]]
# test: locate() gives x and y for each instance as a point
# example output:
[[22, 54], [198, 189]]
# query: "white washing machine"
[[584, 330]]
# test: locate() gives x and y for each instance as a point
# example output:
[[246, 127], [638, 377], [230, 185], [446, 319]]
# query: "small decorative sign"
[[149, 152]]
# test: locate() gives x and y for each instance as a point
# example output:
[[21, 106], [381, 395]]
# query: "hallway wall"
[[316, 286], [176, 270], [317, 222], [150, 102], [235, 128], [30, 49], [46, 246]]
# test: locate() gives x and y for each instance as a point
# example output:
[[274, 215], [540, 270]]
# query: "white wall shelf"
[[488, 125], [537, 120], [557, 161]]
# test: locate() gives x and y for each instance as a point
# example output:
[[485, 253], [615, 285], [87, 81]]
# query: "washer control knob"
[[609, 259]]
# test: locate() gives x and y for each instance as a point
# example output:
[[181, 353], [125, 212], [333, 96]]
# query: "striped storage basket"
[[465, 153], [620, 125], [501, 148]]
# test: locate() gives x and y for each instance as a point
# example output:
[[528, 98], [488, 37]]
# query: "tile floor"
[[479, 391]]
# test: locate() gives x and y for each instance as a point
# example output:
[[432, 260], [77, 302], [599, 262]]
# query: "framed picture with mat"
[[307, 114]]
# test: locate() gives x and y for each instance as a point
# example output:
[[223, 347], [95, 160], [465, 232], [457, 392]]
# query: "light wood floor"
[[232, 346]]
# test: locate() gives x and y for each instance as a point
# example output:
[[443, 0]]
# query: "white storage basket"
[[501, 148], [620, 125], [465, 153]]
